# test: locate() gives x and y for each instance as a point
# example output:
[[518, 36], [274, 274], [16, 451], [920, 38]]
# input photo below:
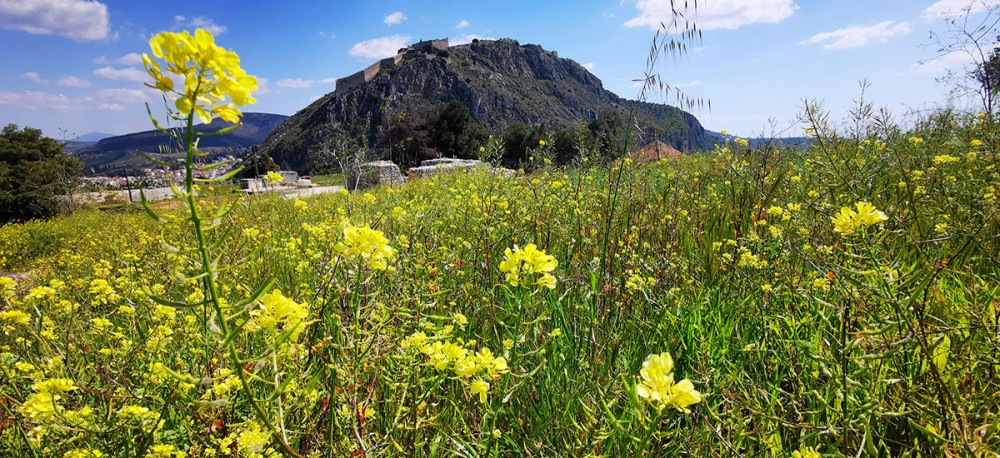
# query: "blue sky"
[[72, 66]]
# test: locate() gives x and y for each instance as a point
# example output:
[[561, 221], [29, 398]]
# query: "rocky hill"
[[254, 129], [501, 83]]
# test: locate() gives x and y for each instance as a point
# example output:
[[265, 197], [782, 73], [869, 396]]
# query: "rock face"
[[501, 82]]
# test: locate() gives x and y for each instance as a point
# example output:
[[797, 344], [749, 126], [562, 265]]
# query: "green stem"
[[209, 279]]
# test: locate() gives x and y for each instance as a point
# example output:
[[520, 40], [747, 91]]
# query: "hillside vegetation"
[[841, 300]]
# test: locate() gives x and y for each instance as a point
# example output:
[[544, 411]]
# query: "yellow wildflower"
[[277, 310], [657, 384], [519, 262], [210, 74], [480, 387], [368, 244], [806, 452]]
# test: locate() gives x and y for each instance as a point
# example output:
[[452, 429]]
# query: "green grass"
[[881, 343], [334, 179]]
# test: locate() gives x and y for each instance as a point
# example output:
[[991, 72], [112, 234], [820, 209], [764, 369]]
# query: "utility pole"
[[128, 185]]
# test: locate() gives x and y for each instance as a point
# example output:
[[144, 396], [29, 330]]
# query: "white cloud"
[[688, 84], [589, 65], [858, 36], [462, 24], [132, 58], [328, 81], [715, 14], [958, 8], [72, 81], [122, 96], [128, 73], [48, 101], [377, 48], [938, 65], [395, 18], [294, 83], [34, 77], [262, 87], [81, 20], [199, 22], [465, 39]]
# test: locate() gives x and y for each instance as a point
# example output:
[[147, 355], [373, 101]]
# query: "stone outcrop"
[[372, 174], [435, 166], [446, 165]]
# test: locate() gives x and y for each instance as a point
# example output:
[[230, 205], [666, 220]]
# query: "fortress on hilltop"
[[427, 47]]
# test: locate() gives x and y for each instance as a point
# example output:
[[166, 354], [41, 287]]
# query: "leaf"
[[940, 352], [147, 208]]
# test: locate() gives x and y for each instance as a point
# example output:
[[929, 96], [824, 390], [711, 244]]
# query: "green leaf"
[[147, 208]]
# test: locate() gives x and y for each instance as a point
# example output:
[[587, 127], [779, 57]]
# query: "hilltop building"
[[349, 83]]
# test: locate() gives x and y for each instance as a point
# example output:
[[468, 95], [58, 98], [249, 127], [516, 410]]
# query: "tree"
[[456, 134], [35, 175], [257, 163], [973, 35]]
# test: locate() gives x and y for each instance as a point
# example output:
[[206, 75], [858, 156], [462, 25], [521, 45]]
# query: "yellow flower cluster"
[[806, 452], [273, 178], [465, 363], [657, 384], [277, 310], [521, 263], [210, 74], [42, 406], [848, 221], [368, 244]]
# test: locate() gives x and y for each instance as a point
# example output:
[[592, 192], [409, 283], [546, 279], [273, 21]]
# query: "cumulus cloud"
[[199, 22], [589, 65], [104, 100], [377, 48], [295, 83], [328, 81], [80, 20], [715, 14], [132, 58], [128, 73], [395, 18], [858, 36], [72, 81], [34, 77], [941, 64], [462, 24], [465, 39], [957, 8], [262, 86]]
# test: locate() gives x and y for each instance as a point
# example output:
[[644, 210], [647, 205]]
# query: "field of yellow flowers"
[[744, 302], [751, 301]]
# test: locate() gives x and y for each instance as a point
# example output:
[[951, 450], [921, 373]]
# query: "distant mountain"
[[501, 83], [798, 142], [92, 137], [113, 150]]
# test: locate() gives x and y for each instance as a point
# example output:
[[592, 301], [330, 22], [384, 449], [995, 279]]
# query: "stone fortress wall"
[[354, 81]]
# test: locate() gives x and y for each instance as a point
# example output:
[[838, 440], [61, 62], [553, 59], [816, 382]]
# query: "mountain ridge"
[[501, 82], [253, 129]]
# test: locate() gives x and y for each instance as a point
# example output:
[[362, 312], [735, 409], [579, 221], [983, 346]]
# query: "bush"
[[35, 174]]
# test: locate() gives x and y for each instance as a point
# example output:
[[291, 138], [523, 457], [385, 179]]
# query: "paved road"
[[154, 194]]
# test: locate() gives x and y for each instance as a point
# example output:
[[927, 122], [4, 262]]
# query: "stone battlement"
[[354, 81]]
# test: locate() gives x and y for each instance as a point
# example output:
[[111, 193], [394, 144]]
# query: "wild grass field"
[[749, 301], [840, 301]]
